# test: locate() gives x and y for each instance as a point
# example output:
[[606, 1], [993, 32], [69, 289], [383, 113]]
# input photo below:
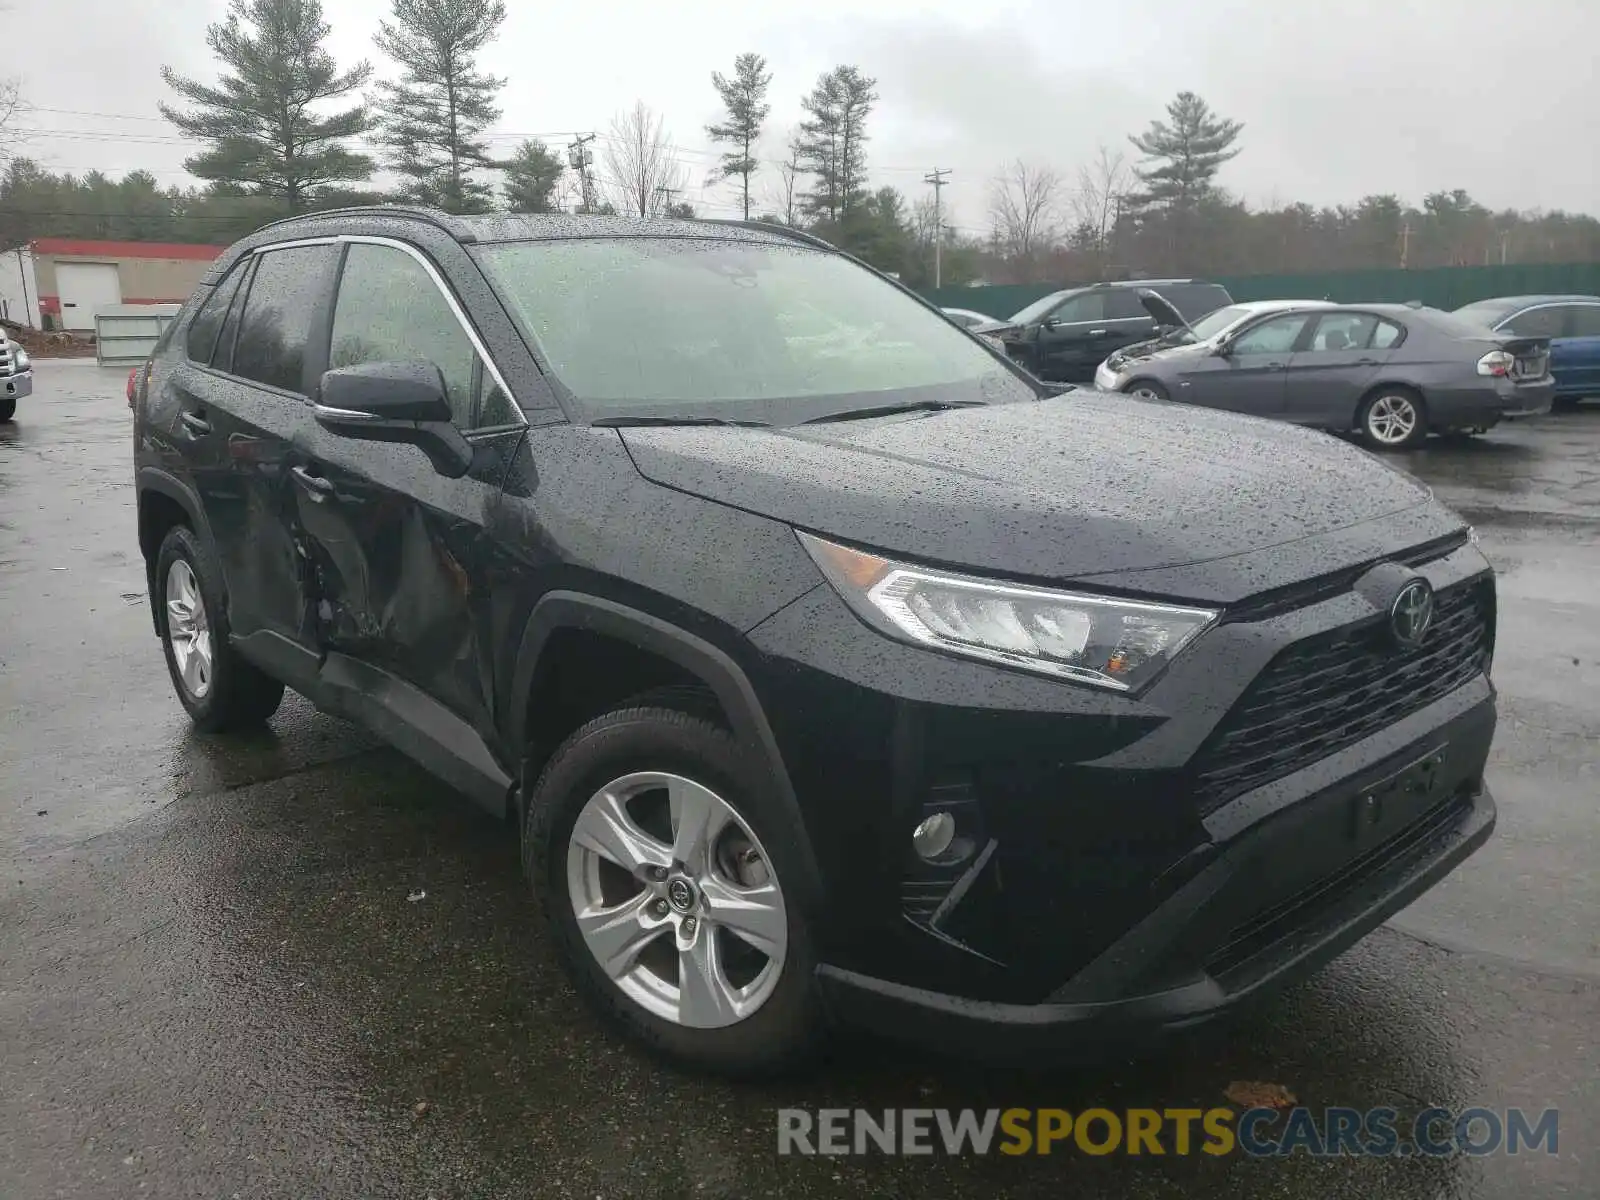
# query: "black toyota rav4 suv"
[[831, 667]]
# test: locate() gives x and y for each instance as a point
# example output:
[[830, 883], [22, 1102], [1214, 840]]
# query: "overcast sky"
[[1338, 99]]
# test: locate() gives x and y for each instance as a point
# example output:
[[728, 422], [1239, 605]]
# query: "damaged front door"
[[397, 555]]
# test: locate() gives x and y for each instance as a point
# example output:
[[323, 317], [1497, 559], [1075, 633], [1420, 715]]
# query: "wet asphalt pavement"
[[213, 981]]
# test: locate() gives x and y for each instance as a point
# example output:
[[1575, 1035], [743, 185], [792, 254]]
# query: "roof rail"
[[784, 231], [433, 216]]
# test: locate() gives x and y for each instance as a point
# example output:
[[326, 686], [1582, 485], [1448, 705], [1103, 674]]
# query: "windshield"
[[1038, 308], [1216, 322], [754, 331]]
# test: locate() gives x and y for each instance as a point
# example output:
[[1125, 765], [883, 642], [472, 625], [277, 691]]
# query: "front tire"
[[661, 866], [218, 688], [8, 408], [1393, 419], [1146, 389]]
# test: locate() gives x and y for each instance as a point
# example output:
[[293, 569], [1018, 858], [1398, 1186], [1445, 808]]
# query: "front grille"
[[1330, 691]]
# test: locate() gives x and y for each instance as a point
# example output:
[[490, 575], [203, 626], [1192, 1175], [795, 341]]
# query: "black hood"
[[1149, 497]]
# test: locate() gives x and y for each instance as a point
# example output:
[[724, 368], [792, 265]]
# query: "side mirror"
[[1223, 350], [1050, 323], [395, 402]]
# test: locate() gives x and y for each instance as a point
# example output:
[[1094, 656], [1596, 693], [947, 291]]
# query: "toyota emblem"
[[680, 895], [1411, 615]]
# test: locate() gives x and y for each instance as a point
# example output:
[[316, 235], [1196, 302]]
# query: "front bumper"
[[14, 387], [1105, 378], [1107, 881], [1213, 944]]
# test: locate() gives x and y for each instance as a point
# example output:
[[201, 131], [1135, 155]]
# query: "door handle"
[[318, 487], [1098, 332], [194, 422]]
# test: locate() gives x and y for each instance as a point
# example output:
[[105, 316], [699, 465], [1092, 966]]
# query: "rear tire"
[[1393, 418], [657, 763], [1146, 389], [218, 688]]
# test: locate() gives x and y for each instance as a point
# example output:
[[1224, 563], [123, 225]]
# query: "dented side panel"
[[398, 566]]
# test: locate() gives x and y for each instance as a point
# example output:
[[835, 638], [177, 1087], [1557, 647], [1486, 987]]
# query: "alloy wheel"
[[1392, 419], [1144, 392], [189, 630], [676, 899]]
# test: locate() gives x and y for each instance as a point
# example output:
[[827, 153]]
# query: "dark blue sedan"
[[1572, 323]]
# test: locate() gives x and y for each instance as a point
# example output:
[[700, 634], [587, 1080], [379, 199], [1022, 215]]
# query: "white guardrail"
[[124, 334]]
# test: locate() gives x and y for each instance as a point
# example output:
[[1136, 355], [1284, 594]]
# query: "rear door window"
[[1387, 335], [1585, 321], [207, 323], [284, 296], [1547, 320], [1123, 305], [1343, 331], [222, 356]]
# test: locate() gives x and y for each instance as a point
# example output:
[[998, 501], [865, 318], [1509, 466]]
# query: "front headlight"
[[1119, 644], [22, 360]]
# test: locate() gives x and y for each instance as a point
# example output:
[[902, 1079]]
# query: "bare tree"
[[783, 198], [12, 106], [1024, 206], [1103, 186], [642, 167]]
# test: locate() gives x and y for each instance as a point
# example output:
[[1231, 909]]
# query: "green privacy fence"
[[1441, 287]]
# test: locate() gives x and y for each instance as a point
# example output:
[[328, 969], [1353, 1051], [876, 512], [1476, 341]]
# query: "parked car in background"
[[1391, 372], [726, 616], [16, 377], [1069, 333], [966, 317], [1208, 330], [1572, 323], [990, 329]]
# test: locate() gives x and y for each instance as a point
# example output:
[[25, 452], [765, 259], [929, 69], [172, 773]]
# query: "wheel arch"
[[693, 659], [164, 501]]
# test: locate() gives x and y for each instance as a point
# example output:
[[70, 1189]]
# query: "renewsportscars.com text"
[[1260, 1132]]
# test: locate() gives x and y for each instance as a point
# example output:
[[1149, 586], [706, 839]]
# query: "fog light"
[[933, 836]]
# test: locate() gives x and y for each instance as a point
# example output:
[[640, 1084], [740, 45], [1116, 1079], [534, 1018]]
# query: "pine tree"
[[260, 116], [532, 174], [744, 96], [1186, 154], [833, 139], [436, 113]]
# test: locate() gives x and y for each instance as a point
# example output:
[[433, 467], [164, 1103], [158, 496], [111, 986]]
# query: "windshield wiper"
[[885, 410], [625, 422]]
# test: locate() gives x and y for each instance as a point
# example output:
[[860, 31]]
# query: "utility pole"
[[936, 178], [579, 159], [1405, 244], [666, 193]]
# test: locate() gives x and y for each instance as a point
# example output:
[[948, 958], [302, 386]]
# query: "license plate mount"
[[1399, 796]]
